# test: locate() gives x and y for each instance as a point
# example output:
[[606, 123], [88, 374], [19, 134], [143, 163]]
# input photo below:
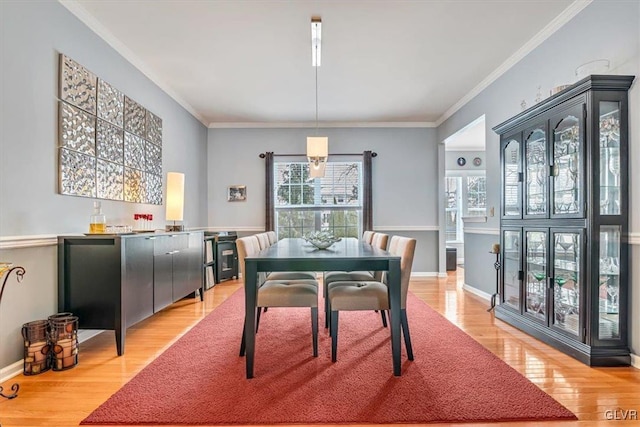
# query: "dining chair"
[[273, 238], [367, 236], [373, 295], [378, 240], [263, 240], [280, 293]]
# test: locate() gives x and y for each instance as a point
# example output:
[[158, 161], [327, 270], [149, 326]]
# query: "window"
[[461, 200], [332, 203]]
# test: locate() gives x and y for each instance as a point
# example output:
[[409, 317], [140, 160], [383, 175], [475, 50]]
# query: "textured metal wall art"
[[110, 146]]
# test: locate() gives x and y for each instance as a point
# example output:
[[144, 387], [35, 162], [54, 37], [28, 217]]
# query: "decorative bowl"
[[321, 239]]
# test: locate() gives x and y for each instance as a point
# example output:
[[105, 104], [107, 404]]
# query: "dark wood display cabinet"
[[114, 281], [564, 220]]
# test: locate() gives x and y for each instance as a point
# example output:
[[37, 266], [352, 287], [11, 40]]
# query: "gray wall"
[[405, 174], [33, 34], [604, 29]]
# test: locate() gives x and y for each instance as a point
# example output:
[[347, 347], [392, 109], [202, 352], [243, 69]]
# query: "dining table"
[[296, 254]]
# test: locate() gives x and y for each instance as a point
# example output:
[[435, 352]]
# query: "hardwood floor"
[[64, 398]]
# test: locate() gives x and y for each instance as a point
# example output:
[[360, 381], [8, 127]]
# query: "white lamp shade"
[[317, 147], [175, 196], [316, 171]]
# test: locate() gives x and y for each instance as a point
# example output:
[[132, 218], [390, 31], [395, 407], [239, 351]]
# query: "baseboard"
[[16, 368], [477, 292], [11, 371], [635, 361], [417, 274]]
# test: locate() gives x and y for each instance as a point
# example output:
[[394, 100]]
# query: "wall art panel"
[[110, 104], [77, 85], [77, 174], [134, 151], [153, 184], [110, 179], [134, 186], [77, 129], [154, 128], [153, 155], [110, 145], [110, 142], [134, 117]]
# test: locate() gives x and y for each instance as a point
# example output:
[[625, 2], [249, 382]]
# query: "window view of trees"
[[465, 196], [331, 203]]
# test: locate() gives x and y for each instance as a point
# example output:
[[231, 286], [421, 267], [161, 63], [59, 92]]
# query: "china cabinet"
[[564, 220]]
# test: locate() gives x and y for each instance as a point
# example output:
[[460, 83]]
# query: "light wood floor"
[[64, 398]]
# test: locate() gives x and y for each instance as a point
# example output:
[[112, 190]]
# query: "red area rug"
[[201, 379]]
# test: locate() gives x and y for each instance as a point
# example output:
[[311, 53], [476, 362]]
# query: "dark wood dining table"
[[296, 254]]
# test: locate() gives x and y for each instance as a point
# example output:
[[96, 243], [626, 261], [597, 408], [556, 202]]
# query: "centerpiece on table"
[[321, 239]]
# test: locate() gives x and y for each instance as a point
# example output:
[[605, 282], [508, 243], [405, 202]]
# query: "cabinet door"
[[536, 273], [567, 280], [163, 273], [610, 160], [137, 286], [536, 172], [567, 180], [512, 177], [610, 290], [511, 268]]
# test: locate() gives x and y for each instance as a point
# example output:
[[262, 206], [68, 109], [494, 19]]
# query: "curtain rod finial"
[[262, 155]]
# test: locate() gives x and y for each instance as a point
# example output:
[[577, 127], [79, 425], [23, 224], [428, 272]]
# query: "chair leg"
[[405, 331], [314, 330], [265, 309], [327, 309], [384, 318], [258, 319], [334, 336], [242, 343]]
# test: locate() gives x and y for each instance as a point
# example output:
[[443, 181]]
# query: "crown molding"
[[94, 25], [558, 22], [288, 125]]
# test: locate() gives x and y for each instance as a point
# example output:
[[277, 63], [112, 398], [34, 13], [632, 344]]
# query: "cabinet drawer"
[[164, 245]]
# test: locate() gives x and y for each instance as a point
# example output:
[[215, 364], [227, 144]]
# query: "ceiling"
[[248, 62]]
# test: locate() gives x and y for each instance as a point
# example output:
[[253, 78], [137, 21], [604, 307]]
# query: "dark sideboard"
[[112, 282]]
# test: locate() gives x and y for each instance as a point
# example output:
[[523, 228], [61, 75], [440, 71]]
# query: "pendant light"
[[317, 146]]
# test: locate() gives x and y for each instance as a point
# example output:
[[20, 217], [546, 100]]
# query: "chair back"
[[263, 240], [405, 248], [380, 240], [273, 239], [367, 236], [246, 246]]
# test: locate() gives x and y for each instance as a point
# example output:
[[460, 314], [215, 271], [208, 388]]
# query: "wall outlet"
[[492, 211]]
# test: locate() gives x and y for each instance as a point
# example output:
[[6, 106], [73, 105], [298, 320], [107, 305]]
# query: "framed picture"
[[237, 193]]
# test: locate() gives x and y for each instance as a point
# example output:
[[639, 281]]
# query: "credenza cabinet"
[[564, 220], [112, 282]]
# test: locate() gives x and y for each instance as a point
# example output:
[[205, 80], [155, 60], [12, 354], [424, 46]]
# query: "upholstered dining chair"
[[372, 295], [367, 236], [273, 238], [263, 240], [378, 240], [280, 293]]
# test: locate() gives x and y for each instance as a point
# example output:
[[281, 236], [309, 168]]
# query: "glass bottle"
[[98, 222]]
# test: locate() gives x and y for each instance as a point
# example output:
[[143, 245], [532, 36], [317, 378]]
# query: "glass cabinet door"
[[511, 268], [609, 290], [511, 178], [567, 279], [536, 274], [536, 172], [567, 164], [609, 158]]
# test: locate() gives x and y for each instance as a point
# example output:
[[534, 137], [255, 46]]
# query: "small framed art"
[[237, 193]]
